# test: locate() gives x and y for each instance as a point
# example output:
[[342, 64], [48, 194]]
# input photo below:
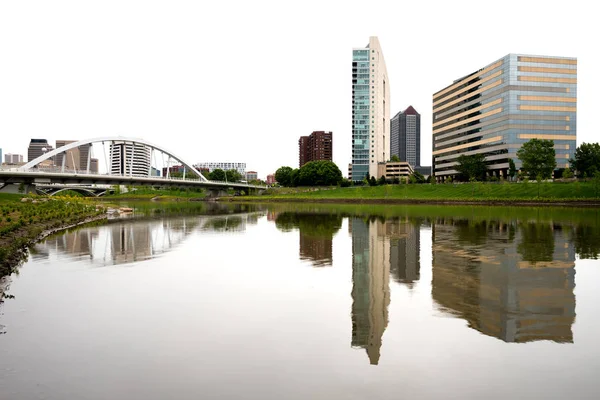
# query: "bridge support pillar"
[[212, 193], [17, 188]]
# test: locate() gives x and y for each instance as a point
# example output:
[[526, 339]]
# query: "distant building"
[[225, 166], [177, 169], [271, 179], [154, 171], [302, 150], [127, 158], [394, 170], [405, 136], [77, 158], [13, 158], [37, 147], [424, 170], [318, 146], [349, 171], [251, 176], [0, 155], [94, 165]]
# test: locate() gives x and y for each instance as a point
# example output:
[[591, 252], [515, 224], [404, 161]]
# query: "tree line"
[[538, 161], [313, 173]]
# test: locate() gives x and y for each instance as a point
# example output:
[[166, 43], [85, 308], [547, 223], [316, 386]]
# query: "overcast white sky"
[[242, 80]]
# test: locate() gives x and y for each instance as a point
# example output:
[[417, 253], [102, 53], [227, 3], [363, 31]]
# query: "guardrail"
[[66, 171]]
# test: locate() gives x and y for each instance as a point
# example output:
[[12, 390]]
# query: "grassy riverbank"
[[23, 222], [147, 193], [531, 192]]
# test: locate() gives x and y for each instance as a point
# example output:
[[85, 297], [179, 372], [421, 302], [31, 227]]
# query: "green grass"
[[143, 193], [21, 222], [487, 192], [10, 197]]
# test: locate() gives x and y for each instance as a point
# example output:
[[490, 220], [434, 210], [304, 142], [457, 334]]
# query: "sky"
[[241, 81]]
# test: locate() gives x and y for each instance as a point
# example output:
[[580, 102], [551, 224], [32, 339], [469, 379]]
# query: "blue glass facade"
[[360, 113]]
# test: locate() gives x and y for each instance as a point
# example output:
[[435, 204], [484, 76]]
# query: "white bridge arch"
[[110, 140]]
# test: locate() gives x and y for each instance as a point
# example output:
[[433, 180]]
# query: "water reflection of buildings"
[[370, 286], [379, 247], [317, 250], [316, 234], [513, 282], [405, 263], [129, 241]]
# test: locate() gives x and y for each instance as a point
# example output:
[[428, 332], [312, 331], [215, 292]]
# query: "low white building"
[[225, 166]]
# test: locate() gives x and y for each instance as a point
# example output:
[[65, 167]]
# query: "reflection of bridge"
[[128, 163], [126, 241]]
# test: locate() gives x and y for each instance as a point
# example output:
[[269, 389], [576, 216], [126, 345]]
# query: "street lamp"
[[44, 150]]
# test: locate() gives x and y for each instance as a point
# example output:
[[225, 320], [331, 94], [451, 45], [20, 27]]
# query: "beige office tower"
[[495, 109], [370, 110]]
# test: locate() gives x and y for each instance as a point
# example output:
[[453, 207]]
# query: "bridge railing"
[[70, 171]]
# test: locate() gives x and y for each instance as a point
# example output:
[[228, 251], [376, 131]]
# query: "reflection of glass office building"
[[404, 240], [370, 286], [318, 250], [515, 282], [496, 109]]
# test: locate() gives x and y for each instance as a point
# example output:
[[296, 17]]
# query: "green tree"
[[372, 181], [567, 173], [217, 175], [233, 175], [418, 177], [538, 158], [472, 167], [587, 159], [395, 158], [596, 181], [381, 180], [283, 176], [512, 170], [319, 173]]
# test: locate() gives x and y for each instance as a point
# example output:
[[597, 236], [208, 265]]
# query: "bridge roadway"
[[8, 177]]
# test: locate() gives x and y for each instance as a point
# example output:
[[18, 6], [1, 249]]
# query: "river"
[[300, 301]]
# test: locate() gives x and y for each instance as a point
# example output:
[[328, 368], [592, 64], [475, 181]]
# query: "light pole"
[[44, 150]]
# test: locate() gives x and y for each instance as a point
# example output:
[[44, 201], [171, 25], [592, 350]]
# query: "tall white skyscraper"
[[370, 110]]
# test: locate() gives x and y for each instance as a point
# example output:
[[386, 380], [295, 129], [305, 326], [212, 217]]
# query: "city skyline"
[[144, 82]]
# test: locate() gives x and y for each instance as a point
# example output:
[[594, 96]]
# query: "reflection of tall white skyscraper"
[[370, 286], [130, 159]]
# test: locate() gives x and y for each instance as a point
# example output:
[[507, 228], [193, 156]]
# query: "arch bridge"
[[129, 162]]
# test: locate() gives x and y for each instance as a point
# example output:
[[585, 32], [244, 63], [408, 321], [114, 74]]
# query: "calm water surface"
[[309, 302]]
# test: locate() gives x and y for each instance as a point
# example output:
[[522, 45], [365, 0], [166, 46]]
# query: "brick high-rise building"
[[318, 146]]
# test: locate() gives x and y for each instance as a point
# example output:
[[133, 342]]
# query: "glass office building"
[[370, 110], [496, 109], [405, 136]]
